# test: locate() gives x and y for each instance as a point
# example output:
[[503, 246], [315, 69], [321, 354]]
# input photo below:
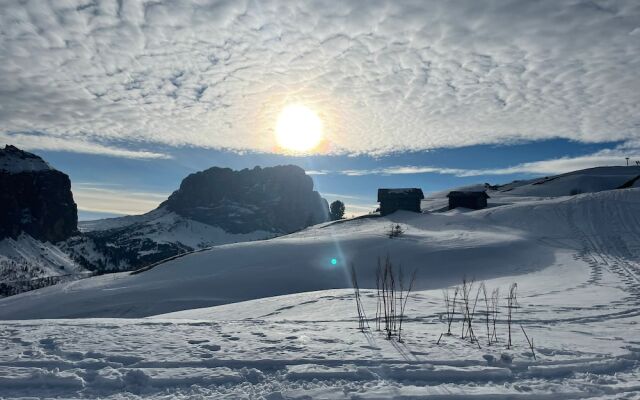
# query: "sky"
[[128, 97]]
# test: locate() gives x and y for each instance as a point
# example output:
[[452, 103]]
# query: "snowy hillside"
[[127, 243], [582, 181], [581, 313], [27, 263], [502, 241]]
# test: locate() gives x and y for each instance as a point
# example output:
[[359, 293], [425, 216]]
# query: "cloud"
[[384, 76], [72, 144], [114, 200], [561, 165], [358, 209], [341, 196], [607, 157], [317, 172]]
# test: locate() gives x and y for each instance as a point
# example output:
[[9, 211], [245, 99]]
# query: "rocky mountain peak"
[[34, 198], [278, 199], [14, 160]]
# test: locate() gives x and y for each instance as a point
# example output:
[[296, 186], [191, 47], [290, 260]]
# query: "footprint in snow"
[[48, 344], [197, 341], [211, 347]]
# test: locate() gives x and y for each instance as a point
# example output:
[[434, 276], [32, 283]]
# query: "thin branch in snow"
[[529, 341], [512, 303]]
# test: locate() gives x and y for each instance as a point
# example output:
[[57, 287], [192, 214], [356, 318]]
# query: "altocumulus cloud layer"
[[385, 76]]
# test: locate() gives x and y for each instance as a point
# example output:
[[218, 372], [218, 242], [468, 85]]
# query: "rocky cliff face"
[[34, 198], [277, 199]]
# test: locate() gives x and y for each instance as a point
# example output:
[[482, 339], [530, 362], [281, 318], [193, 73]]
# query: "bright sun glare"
[[298, 129]]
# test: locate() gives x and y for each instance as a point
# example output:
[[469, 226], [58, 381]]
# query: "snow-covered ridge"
[[14, 160], [589, 180]]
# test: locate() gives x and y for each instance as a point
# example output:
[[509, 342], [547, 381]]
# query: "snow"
[[509, 240], [306, 345], [164, 226], [146, 234], [25, 260], [577, 182], [273, 319]]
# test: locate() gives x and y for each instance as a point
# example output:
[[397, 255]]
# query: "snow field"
[[306, 345], [576, 261]]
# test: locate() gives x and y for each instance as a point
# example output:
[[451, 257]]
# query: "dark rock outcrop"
[[34, 198], [274, 199]]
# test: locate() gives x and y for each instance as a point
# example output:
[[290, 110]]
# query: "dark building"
[[473, 200], [392, 200]]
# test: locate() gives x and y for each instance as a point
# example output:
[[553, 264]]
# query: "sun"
[[298, 129]]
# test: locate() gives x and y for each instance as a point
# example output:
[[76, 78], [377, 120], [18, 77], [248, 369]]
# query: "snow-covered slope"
[[589, 180], [163, 226], [576, 182], [581, 314], [501, 241], [131, 242], [27, 263]]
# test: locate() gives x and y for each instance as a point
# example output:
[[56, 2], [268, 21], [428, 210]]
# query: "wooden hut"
[[475, 200], [392, 200]]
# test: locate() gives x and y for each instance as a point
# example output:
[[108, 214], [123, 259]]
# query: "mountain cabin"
[[392, 200], [474, 200]]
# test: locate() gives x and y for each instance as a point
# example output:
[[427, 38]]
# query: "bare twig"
[[487, 312], [362, 317], [404, 301], [378, 294], [529, 341], [495, 299], [512, 303]]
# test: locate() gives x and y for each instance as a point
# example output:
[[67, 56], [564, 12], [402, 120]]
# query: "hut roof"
[[399, 193], [469, 193]]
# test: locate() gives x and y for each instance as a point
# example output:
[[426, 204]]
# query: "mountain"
[[40, 242], [36, 210], [212, 207], [35, 198], [279, 199]]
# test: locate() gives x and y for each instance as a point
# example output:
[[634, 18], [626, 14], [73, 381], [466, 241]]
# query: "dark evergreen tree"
[[336, 210]]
